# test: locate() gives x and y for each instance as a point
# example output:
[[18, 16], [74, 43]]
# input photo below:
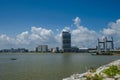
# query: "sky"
[[29, 23]]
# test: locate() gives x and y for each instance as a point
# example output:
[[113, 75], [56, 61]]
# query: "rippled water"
[[31, 66]]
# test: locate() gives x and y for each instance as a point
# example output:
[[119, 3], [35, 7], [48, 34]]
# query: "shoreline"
[[98, 71]]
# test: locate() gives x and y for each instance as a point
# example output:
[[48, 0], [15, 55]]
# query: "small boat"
[[13, 59]]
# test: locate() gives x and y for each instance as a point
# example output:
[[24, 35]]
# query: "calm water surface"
[[48, 66]]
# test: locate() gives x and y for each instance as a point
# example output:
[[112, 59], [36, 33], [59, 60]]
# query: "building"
[[55, 50], [83, 50], [12, 50], [42, 48], [66, 41], [74, 49]]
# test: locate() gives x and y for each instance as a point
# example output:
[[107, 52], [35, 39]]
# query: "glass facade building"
[[66, 41]]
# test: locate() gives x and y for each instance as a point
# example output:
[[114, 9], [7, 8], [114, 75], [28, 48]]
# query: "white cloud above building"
[[81, 36]]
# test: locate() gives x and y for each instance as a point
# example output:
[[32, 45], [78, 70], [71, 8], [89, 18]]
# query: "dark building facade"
[[66, 41]]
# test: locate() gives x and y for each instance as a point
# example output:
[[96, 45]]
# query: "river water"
[[46, 66]]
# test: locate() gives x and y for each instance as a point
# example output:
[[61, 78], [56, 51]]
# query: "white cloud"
[[109, 31], [6, 42], [37, 36], [77, 21], [23, 38], [81, 36], [58, 39], [66, 29], [4, 37], [113, 30], [41, 34]]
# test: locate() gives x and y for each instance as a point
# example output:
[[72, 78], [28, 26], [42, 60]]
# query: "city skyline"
[[28, 23]]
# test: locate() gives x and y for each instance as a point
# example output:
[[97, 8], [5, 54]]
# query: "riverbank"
[[109, 71]]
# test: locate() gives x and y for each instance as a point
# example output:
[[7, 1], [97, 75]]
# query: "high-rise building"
[[66, 41]]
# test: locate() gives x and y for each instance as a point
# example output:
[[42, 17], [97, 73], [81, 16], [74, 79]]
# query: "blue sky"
[[17, 16]]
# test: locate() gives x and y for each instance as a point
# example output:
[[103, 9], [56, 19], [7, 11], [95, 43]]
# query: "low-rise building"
[[42, 48], [21, 50], [85, 50], [55, 50]]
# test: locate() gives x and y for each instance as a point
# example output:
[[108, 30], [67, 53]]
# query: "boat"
[[13, 59]]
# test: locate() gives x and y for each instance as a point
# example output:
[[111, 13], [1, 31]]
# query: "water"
[[31, 66]]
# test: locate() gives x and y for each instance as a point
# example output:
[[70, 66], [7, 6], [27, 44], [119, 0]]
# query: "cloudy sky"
[[28, 23]]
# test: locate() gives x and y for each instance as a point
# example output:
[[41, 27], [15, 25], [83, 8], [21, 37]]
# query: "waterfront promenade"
[[99, 73]]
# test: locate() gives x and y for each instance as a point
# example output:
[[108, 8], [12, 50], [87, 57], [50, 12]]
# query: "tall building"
[[66, 41]]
